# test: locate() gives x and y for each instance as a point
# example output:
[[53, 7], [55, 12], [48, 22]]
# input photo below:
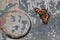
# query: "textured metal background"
[[40, 31]]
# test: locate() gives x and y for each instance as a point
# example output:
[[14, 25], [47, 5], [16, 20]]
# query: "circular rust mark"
[[5, 23]]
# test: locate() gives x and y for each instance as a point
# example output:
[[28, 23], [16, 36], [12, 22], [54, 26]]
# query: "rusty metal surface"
[[39, 31], [15, 24]]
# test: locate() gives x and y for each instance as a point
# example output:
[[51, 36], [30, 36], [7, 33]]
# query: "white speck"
[[56, 26], [0, 13], [34, 20], [40, 21], [29, 36], [57, 37], [38, 15], [58, 11], [38, 6], [53, 35]]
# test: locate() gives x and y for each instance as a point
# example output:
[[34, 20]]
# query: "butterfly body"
[[43, 15]]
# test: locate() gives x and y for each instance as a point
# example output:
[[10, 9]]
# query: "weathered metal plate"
[[40, 31]]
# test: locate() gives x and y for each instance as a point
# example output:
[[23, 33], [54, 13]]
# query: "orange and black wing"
[[45, 18], [40, 11], [37, 10], [43, 14]]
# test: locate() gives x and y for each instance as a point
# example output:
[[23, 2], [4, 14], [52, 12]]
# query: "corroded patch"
[[14, 18]]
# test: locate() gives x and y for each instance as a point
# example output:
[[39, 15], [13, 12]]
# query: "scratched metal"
[[40, 31]]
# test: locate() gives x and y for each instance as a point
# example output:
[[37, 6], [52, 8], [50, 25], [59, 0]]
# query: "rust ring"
[[2, 22]]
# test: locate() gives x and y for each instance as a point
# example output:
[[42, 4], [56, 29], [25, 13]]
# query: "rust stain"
[[3, 21]]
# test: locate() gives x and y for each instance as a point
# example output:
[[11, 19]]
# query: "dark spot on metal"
[[13, 18], [58, 5], [16, 27], [19, 18], [3, 35]]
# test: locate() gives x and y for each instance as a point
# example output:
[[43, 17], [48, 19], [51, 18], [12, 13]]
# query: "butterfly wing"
[[43, 14], [45, 18]]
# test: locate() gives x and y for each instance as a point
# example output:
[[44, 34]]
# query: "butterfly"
[[43, 14]]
